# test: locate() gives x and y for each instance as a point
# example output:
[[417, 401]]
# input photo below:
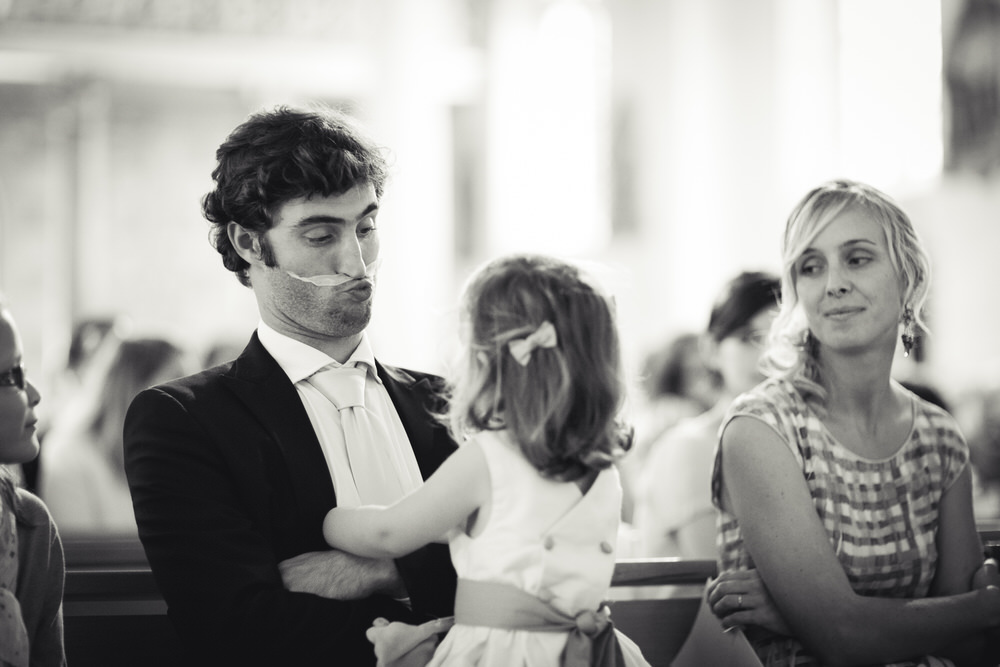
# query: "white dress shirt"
[[300, 361]]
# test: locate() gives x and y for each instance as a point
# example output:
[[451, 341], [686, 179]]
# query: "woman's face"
[[848, 288], [18, 398], [738, 355]]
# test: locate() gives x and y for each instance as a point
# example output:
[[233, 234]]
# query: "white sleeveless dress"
[[545, 538]]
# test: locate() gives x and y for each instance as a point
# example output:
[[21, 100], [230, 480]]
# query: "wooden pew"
[[659, 625], [114, 614]]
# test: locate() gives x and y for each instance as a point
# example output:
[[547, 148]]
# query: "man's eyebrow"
[[322, 218]]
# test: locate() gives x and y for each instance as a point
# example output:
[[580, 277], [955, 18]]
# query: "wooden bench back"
[[114, 614], [658, 623]]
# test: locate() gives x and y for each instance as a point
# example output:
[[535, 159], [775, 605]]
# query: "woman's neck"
[[859, 387], [864, 411]]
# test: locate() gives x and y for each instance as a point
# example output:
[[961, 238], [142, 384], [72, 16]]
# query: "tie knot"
[[344, 386]]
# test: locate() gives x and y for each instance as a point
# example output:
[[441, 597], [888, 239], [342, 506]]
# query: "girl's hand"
[[740, 598], [404, 645]]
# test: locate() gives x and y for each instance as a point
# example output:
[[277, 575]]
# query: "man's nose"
[[351, 259]]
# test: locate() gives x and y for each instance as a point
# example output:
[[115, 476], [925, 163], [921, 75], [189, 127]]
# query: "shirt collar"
[[300, 361]]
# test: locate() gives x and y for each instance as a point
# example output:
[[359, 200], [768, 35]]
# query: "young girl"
[[31, 556], [530, 503]]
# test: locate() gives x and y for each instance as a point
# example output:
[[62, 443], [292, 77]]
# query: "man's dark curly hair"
[[280, 154]]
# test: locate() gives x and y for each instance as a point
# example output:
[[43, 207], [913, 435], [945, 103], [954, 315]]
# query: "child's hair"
[[561, 404]]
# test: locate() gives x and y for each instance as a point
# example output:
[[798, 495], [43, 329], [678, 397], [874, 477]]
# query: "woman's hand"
[[987, 575], [740, 598]]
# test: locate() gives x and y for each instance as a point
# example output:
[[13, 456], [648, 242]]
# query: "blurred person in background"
[[221, 351], [32, 569], [83, 472], [86, 338], [674, 515], [979, 413], [676, 383]]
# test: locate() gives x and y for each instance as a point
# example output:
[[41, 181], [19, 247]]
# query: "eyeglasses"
[[13, 378]]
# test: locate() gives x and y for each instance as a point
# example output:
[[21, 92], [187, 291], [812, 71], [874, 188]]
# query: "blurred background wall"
[[665, 139]]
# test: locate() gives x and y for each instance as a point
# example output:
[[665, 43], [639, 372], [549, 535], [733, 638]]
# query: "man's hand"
[[740, 598], [341, 576]]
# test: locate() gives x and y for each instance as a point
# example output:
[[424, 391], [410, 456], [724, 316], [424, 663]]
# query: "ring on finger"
[[739, 601]]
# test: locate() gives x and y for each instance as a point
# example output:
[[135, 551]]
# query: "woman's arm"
[[445, 501], [764, 488], [960, 559]]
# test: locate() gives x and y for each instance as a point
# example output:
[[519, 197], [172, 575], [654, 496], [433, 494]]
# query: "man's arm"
[[341, 576], [202, 492]]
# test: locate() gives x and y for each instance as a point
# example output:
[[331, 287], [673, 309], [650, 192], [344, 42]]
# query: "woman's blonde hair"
[[792, 351], [562, 405]]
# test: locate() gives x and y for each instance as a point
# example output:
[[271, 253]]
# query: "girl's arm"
[[764, 488], [459, 487]]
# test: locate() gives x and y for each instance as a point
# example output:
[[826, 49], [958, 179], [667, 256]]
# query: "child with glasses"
[[31, 556]]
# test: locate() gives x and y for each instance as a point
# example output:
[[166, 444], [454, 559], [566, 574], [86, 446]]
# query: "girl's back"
[[542, 536]]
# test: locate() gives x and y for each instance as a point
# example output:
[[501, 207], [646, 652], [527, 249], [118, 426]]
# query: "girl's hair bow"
[[521, 348]]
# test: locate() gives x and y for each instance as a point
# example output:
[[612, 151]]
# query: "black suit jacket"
[[228, 479]]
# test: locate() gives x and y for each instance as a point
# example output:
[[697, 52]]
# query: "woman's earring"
[[908, 337]]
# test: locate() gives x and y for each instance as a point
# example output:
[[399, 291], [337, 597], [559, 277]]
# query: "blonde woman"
[[846, 527]]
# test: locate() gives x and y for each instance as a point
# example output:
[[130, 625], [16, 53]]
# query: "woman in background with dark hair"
[[674, 514], [83, 471]]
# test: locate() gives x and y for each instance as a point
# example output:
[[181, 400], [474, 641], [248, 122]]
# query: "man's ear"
[[245, 242]]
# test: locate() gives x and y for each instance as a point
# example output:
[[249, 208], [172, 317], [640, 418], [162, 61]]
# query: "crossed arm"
[[763, 487], [208, 533]]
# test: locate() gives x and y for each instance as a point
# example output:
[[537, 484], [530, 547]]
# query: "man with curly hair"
[[232, 470]]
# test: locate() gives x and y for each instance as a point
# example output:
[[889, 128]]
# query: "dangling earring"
[[907, 337], [810, 344]]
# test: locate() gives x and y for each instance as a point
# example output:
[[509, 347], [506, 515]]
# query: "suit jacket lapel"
[[257, 379], [413, 398]]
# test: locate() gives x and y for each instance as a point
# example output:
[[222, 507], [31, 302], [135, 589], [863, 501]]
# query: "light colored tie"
[[366, 439]]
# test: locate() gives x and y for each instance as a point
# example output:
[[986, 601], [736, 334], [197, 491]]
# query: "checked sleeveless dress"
[[880, 515]]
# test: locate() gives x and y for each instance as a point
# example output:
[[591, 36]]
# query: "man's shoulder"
[[204, 380], [211, 387], [409, 377], [253, 365]]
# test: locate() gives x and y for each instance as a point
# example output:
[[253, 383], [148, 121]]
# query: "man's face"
[[318, 236]]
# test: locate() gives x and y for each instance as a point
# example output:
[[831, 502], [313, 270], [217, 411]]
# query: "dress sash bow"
[[592, 640]]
